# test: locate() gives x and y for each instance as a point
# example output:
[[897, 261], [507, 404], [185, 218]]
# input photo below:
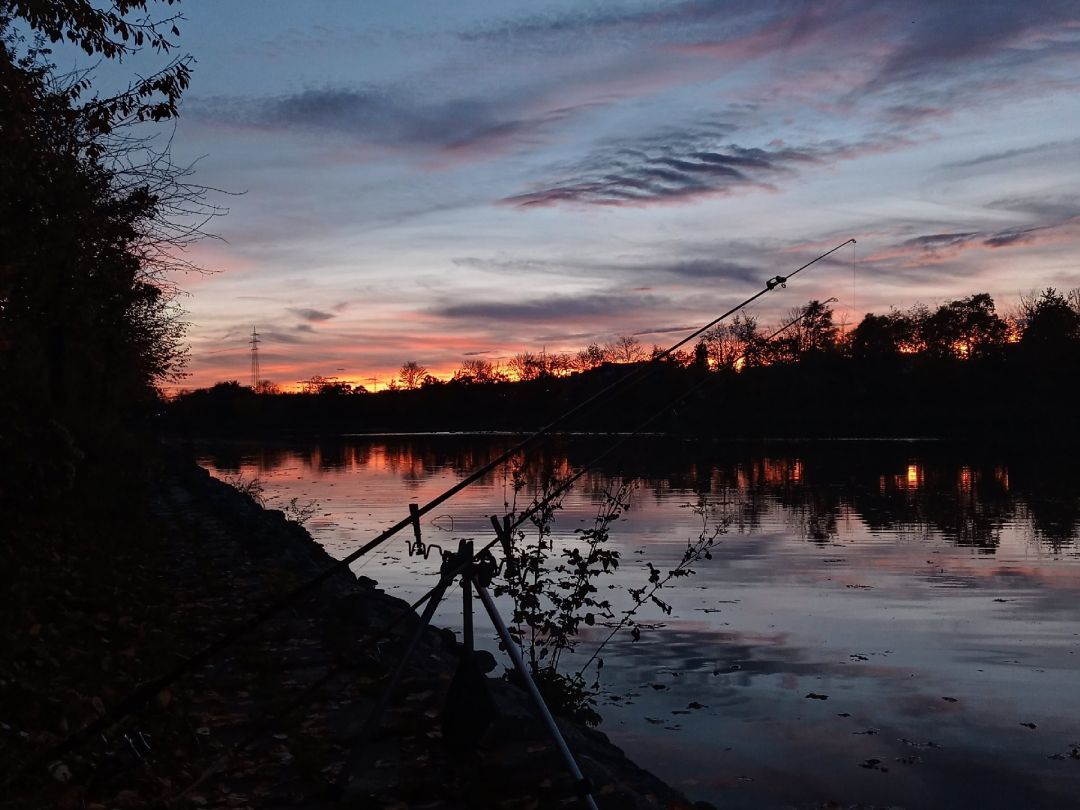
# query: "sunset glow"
[[491, 179]]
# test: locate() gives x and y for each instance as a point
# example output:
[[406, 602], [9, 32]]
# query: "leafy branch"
[[553, 595]]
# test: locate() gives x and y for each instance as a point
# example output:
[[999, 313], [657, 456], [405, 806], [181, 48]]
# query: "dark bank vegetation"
[[94, 216], [961, 370]]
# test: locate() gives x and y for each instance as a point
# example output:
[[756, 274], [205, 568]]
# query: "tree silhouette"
[[527, 366], [728, 343], [1049, 322], [625, 349], [478, 372], [965, 328], [91, 216], [411, 375], [120, 30], [592, 356]]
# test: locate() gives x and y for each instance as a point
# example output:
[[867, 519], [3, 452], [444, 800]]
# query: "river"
[[888, 623]]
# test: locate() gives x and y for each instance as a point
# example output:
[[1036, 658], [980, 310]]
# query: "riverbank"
[[267, 723]]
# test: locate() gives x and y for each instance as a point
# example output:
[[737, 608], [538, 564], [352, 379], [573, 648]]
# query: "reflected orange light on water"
[[966, 480], [914, 476]]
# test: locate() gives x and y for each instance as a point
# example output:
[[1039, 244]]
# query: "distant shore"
[[1010, 397]]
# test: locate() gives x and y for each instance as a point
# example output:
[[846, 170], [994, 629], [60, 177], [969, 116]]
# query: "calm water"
[[932, 593]]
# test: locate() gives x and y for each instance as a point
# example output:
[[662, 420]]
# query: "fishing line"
[[145, 691]]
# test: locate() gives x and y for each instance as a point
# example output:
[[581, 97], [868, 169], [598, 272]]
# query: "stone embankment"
[[273, 721]]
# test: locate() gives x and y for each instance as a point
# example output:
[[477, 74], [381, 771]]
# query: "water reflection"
[[890, 489], [931, 594]]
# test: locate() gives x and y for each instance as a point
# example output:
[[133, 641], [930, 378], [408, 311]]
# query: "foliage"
[[592, 356], [300, 512], [625, 349], [92, 219], [811, 333], [881, 336], [252, 487], [411, 375], [478, 372], [966, 328], [326, 386], [527, 366], [727, 343], [1050, 320], [120, 30], [294, 510], [555, 593]]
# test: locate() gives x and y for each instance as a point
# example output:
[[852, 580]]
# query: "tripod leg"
[[534, 693]]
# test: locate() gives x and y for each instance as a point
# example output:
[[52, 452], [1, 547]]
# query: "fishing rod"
[[503, 532], [146, 690]]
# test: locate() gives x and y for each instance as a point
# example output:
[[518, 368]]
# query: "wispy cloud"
[[935, 248], [275, 336], [932, 242], [312, 315], [711, 269], [945, 37], [1051, 208], [1013, 236], [1038, 152], [683, 166], [394, 119], [552, 309]]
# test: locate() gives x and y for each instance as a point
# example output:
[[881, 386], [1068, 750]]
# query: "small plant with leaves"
[[297, 511], [555, 593], [252, 487]]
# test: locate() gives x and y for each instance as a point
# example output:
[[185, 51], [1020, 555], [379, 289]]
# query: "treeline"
[[959, 370]]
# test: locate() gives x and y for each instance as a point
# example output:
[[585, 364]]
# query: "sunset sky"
[[436, 181]]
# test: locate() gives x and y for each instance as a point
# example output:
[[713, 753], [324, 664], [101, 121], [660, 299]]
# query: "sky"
[[443, 181]]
